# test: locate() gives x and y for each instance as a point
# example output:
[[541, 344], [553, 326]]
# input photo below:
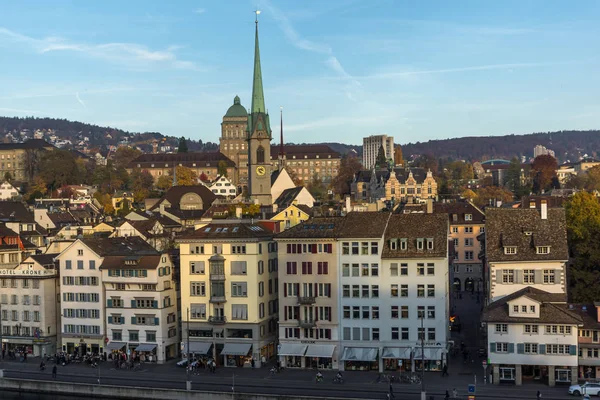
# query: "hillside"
[[568, 145]]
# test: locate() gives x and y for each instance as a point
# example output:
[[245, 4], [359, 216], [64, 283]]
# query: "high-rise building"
[[540, 150], [371, 146]]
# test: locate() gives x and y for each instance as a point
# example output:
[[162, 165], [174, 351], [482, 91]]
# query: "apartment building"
[[308, 302], [360, 243], [525, 248], [82, 294], [141, 304], [309, 160], [414, 299], [532, 336], [466, 222], [371, 146], [229, 293], [29, 306]]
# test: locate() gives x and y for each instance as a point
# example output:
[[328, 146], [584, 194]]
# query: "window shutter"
[[132, 303], [538, 276], [573, 350], [285, 290], [542, 349], [133, 320], [156, 321], [285, 316], [297, 287], [557, 275], [492, 347], [518, 276], [499, 275], [109, 303], [511, 347], [329, 315], [154, 304], [110, 320], [520, 348], [316, 292]]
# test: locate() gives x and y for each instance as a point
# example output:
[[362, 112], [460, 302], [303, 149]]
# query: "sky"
[[341, 69]]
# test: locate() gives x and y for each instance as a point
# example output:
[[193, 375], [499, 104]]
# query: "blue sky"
[[342, 69]]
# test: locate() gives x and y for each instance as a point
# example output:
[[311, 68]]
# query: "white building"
[[28, 304], [525, 248], [532, 336], [540, 150], [222, 186], [8, 191], [371, 147]]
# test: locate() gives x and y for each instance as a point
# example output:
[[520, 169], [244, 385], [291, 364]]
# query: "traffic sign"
[[471, 388], [484, 363]]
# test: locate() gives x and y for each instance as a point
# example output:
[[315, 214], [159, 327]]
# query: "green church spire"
[[258, 97]]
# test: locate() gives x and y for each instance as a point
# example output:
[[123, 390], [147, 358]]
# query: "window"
[[532, 309], [197, 268], [365, 269], [345, 248], [355, 290], [404, 334], [531, 329], [431, 312], [430, 269], [239, 289], [468, 229], [562, 349], [394, 291], [531, 348], [375, 334], [420, 290], [420, 244], [261, 289], [431, 334], [374, 248], [420, 269], [374, 269], [68, 264], [501, 328], [355, 270], [510, 249], [508, 276], [501, 347], [549, 276], [528, 276], [346, 312], [395, 333], [238, 268], [345, 269], [429, 244], [80, 264], [468, 217], [92, 264], [403, 290], [239, 311], [404, 312], [393, 244], [197, 289], [80, 252], [420, 312], [455, 229], [365, 291], [364, 248], [404, 269], [468, 255], [542, 249], [395, 312], [355, 312], [374, 291], [394, 269], [524, 309], [455, 241], [346, 291], [354, 248], [260, 155], [150, 336], [134, 336], [430, 290], [421, 333], [366, 312], [117, 335], [375, 312]]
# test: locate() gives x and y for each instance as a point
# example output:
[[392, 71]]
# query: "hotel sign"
[[25, 272]]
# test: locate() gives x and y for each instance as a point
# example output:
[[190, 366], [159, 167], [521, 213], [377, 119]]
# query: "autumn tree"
[[592, 178], [124, 156], [141, 183], [222, 168], [105, 201], [58, 168], [186, 176], [543, 173], [583, 228], [183, 147], [164, 182], [491, 194], [349, 166], [31, 162], [398, 156], [468, 194], [8, 176]]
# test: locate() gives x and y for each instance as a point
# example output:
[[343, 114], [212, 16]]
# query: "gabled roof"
[[45, 259], [288, 196], [217, 231], [553, 308], [364, 225], [417, 226], [119, 246], [525, 228], [588, 313], [142, 262], [460, 209], [5, 231], [14, 211], [144, 227], [320, 227]]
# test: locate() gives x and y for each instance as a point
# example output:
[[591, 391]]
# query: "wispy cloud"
[[79, 100], [200, 10], [129, 54]]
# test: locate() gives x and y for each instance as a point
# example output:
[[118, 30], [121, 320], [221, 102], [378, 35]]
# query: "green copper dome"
[[236, 110]]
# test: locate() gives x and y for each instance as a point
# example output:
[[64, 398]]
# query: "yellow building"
[[291, 216], [15, 157], [119, 198], [229, 293]]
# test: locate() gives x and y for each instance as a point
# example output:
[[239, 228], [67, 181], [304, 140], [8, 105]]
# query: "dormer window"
[[542, 249], [420, 244], [393, 244], [510, 249], [430, 244], [403, 244], [468, 217]]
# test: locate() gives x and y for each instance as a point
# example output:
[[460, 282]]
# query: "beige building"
[[17, 158], [229, 293], [233, 143], [397, 185], [308, 284], [309, 159]]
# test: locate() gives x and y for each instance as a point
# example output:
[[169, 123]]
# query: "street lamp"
[[423, 394], [188, 384]]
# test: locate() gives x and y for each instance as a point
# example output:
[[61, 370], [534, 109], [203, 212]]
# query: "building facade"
[[398, 185], [371, 146], [233, 141], [17, 158], [308, 301], [589, 340], [310, 160], [229, 293]]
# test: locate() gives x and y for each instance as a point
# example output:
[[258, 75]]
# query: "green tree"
[[381, 161], [428, 162], [58, 168], [317, 188], [183, 147], [222, 168], [164, 182], [124, 156], [583, 228], [593, 178], [8, 176]]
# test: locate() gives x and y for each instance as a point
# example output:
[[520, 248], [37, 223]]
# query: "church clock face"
[[260, 170]]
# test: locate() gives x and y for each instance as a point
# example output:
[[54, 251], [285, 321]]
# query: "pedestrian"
[[392, 391], [539, 395], [445, 370], [454, 393], [54, 372], [252, 362], [447, 396]]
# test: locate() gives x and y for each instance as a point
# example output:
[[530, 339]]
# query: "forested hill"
[[568, 145]]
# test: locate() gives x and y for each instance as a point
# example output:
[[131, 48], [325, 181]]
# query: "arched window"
[[260, 155]]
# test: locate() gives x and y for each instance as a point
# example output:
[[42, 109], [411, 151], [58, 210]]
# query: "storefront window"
[[507, 374], [361, 366]]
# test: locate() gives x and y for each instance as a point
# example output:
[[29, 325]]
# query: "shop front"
[[534, 373], [198, 350], [267, 352], [114, 349], [397, 358], [237, 354], [291, 355], [507, 373], [589, 372], [82, 346], [562, 375], [430, 358], [146, 352], [360, 358], [320, 356]]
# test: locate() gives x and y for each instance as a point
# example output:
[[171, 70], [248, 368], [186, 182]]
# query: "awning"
[[360, 354], [402, 353], [236, 349], [201, 348], [145, 347], [428, 354], [320, 350], [292, 349], [114, 345]]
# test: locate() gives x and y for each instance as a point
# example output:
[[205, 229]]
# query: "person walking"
[[454, 393], [54, 372], [445, 370], [391, 392], [539, 395]]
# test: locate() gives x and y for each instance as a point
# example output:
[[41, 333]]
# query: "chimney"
[[238, 212], [498, 203], [348, 204], [429, 206], [544, 209]]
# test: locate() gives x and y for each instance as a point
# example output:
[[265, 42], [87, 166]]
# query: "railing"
[[217, 276], [306, 300], [306, 323], [217, 320], [217, 299]]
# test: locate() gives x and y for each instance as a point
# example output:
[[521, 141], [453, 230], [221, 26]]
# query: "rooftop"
[[119, 246]]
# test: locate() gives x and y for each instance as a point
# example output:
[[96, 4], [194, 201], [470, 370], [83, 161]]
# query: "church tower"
[[259, 137]]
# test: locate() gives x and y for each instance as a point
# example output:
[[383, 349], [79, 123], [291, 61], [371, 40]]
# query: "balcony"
[[217, 320], [218, 299], [307, 323], [217, 276], [306, 300]]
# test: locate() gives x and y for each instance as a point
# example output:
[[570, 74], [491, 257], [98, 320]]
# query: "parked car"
[[592, 389]]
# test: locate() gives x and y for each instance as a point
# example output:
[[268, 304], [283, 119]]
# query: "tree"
[[381, 161], [124, 156], [492, 194], [428, 162], [186, 176], [349, 166], [58, 168], [222, 168], [398, 156], [316, 187], [543, 172], [593, 178], [31, 162], [164, 182], [66, 192], [468, 194], [8, 176], [583, 229], [105, 201], [183, 147], [141, 183]]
